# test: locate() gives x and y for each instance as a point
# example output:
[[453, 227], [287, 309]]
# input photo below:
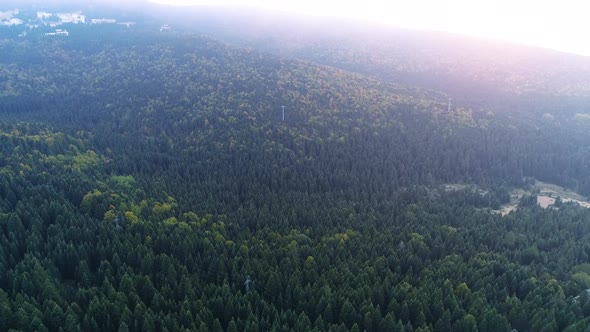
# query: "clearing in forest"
[[546, 193]]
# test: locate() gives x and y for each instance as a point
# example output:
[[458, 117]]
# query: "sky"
[[563, 25]]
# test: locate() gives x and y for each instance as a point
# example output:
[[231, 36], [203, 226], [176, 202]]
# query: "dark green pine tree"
[[348, 314]]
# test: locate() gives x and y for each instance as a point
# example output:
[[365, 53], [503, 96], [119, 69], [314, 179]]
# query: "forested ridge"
[[143, 177], [478, 72]]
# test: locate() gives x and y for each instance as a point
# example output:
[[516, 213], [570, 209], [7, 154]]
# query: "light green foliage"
[[83, 162], [125, 184], [110, 215], [161, 209], [89, 200], [170, 221], [462, 291], [131, 217], [582, 118]]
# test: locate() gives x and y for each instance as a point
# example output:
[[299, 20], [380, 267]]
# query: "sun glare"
[[559, 25]]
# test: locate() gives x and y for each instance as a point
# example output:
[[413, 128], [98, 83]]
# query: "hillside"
[[145, 175], [470, 70]]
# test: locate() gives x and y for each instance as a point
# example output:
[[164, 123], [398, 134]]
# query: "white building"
[[7, 18], [12, 21], [103, 21], [43, 15], [127, 24], [58, 32], [74, 17]]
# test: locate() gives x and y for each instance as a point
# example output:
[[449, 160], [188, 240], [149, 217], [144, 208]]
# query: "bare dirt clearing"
[[515, 197], [546, 193], [545, 201]]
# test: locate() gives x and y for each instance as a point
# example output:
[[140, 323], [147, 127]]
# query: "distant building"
[[7, 18], [74, 17], [58, 32], [578, 297], [12, 21], [127, 24], [43, 15], [165, 27], [103, 21]]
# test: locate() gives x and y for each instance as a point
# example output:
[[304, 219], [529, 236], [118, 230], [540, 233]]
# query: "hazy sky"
[[563, 25]]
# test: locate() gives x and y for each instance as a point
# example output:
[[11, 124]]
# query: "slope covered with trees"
[[488, 73], [145, 176]]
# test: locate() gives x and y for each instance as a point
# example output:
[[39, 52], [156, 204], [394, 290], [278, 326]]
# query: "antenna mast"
[[449, 108], [247, 283], [283, 107]]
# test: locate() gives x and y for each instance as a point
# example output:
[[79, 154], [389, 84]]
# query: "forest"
[[144, 178]]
